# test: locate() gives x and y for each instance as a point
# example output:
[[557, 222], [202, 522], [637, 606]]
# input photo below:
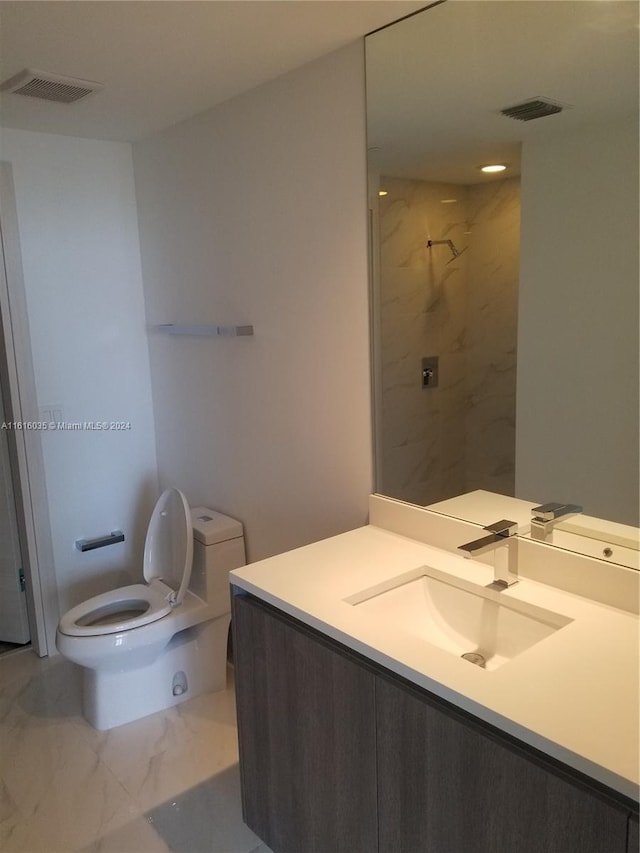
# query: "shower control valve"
[[430, 372]]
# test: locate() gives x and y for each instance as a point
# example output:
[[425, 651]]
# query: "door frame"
[[16, 365]]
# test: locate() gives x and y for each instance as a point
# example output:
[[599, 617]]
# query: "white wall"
[[78, 228], [577, 397], [255, 212]]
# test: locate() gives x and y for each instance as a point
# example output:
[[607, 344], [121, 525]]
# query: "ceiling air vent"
[[534, 108], [49, 87]]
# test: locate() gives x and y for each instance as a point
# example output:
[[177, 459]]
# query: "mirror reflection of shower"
[[448, 289]]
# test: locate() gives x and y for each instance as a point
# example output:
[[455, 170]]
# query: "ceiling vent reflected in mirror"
[[534, 108], [49, 87]]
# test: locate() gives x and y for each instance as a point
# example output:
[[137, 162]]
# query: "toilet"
[[151, 645]]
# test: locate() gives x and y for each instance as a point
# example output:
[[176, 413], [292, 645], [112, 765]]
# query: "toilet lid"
[[168, 548]]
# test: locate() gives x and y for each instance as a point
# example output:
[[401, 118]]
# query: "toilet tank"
[[218, 547]]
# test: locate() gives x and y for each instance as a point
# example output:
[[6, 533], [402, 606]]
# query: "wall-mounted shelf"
[[205, 331]]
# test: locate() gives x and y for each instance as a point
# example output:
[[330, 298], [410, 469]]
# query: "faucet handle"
[[503, 541], [504, 527], [553, 510]]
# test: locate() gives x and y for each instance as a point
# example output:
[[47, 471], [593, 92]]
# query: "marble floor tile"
[[9, 816], [16, 671], [135, 837], [152, 780], [18, 836], [207, 818], [67, 788], [62, 789], [138, 740], [19, 665]]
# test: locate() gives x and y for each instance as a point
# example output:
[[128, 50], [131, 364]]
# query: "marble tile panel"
[[17, 669], [53, 691], [7, 806], [491, 444], [494, 320], [409, 338], [206, 713], [452, 375], [65, 787], [496, 200], [423, 493], [454, 478], [137, 740], [60, 787], [409, 414], [18, 835], [139, 836], [411, 214], [157, 777], [62, 792], [405, 290], [485, 379], [410, 466], [13, 828], [405, 343], [207, 818]]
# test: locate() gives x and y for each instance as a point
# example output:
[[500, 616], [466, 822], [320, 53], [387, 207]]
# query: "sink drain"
[[474, 657]]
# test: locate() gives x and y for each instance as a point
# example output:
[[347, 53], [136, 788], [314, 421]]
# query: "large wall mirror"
[[505, 303]]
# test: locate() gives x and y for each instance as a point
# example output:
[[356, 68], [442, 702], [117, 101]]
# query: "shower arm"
[[455, 252]]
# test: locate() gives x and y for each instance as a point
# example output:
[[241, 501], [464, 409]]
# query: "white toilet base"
[[194, 662]]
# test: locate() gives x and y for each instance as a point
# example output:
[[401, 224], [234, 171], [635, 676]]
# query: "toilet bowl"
[[148, 646]]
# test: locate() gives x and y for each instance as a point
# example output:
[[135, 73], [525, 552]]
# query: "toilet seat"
[[168, 558], [111, 612]]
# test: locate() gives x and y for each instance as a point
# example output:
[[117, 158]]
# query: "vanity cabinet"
[[306, 726], [633, 844], [337, 754], [448, 786]]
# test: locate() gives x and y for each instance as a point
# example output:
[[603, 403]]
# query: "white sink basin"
[[458, 616]]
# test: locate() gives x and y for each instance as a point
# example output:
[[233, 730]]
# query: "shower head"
[[454, 252]]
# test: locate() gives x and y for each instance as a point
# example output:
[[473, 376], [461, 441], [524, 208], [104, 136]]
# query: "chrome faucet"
[[545, 517], [503, 540]]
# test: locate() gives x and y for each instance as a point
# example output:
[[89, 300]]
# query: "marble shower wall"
[[493, 211], [423, 313], [440, 442]]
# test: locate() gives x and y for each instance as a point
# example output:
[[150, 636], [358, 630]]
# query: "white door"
[[14, 624]]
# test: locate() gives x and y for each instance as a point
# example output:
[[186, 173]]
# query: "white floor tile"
[[154, 779], [66, 787], [136, 837], [207, 818]]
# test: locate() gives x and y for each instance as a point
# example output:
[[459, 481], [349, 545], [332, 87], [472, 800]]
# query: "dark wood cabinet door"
[[633, 841], [447, 787], [306, 726]]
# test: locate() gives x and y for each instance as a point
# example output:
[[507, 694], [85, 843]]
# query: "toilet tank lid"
[[210, 527]]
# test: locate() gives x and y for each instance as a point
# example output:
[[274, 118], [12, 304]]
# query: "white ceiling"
[[436, 83], [163, 61]]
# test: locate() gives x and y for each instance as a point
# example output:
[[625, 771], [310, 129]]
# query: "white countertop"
[[581, 533], [574, 695]]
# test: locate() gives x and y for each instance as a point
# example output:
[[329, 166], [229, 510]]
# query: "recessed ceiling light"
[[382, 192], [495, 167], [448, 200]]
